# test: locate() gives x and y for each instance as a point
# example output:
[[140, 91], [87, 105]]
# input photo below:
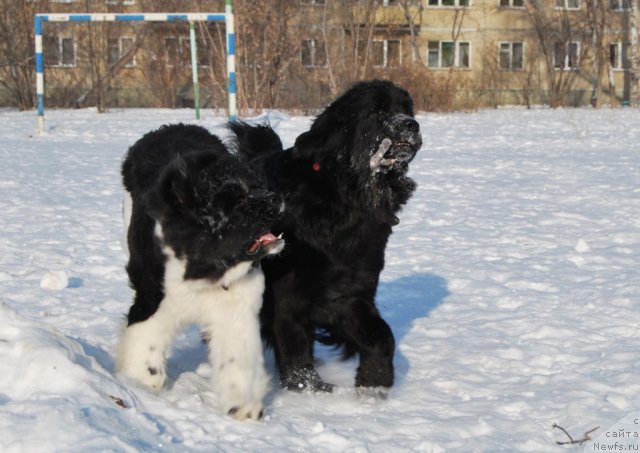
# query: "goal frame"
[[191, 18]]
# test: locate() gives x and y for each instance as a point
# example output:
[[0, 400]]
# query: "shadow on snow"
[[405, 300], [401, 302]]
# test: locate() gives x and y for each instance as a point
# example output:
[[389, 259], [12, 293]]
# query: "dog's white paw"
[[150, 376], [248, 411]]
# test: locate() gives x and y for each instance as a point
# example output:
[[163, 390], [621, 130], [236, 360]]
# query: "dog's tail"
[[253, 141]]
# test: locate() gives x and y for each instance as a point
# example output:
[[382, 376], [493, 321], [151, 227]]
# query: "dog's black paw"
[[373, 372], [305, 379], [379, 393]]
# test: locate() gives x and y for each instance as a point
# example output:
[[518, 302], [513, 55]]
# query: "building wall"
[[457, 48]]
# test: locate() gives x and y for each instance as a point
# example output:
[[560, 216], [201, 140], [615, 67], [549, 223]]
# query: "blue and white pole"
[[194, 68], [39, 75], [226, 17], [231, 60]]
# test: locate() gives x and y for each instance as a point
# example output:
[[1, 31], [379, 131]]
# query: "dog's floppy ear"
[[318, 146], [172, 193], [308, 146], [179, 178]]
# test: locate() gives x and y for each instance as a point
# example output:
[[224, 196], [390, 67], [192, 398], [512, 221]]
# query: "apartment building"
[[559, 52], [478, 52]]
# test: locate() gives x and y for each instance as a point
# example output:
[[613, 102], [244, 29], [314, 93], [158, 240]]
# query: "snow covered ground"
[[512, 285]]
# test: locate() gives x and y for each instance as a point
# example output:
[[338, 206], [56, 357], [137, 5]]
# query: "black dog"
[[198, 222], [343, 182]]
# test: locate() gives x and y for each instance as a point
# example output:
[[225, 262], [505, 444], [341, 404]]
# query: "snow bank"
[[511, 284]]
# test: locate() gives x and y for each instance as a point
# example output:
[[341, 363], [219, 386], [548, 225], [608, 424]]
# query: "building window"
[[175, 52], [619, 55], [511, 55], [449, 54], [567, 4], [386, 53], [312, 53], [450, 3], [512, 3], [59, 51], [382, 2], [117, 49], [619, 5], [178, 52], [565, 55]]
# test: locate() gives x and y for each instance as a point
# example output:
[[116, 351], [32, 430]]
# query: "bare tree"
[[596, 21], [330, 59], [635, 54], [557, 35], [162, 63], [214, 39], [360, 24], [528, 78], [17, 73], [412, 10], [493, 79], [104, 65], [350, 39], [267, 45]]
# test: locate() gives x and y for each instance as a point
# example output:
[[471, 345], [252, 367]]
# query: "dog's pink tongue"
[[267, 238], [262, 241]]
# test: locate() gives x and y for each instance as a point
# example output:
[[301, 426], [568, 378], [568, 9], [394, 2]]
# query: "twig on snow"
[[572, 441], [119, 401]]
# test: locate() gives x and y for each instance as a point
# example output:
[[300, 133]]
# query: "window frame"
[[60, 52], [183, 49], [624, 6], [511, 55], [620, 56], [565, 5], [510, 4], [315, 42], [121, 51], [456, 54], [385, 53], [565, 66], [455, 5]]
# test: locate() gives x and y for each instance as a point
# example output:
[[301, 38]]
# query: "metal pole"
[[39, 75], [231, 59], [194, 68]]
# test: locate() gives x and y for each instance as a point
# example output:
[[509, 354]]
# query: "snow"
[[512, 285]]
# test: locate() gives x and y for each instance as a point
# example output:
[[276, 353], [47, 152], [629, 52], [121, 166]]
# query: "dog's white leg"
[[236, 350], [142, 349]]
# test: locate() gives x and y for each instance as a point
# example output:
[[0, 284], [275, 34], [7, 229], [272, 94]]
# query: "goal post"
[[191, 18]]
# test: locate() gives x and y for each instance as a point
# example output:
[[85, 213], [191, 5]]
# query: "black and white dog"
[[344, 181], [198, 224]]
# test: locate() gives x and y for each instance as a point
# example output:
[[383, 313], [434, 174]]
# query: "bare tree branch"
[[585, 438]]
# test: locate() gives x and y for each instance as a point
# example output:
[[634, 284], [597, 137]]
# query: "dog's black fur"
[[210, 207], [340, 210]]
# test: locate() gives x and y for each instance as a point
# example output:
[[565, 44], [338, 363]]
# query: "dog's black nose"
[[411, 125]]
